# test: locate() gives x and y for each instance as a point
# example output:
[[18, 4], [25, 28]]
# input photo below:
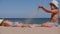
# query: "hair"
[[1, 23], [54, 5]]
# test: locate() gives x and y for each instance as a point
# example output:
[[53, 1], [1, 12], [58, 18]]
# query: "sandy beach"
[[34, 30]]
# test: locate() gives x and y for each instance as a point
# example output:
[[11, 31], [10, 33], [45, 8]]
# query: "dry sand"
[[34, 30]]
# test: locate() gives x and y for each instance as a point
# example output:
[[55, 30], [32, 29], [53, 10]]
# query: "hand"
[[40, 6]]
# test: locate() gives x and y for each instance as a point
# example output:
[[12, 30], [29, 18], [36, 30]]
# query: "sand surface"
[[34, 30]]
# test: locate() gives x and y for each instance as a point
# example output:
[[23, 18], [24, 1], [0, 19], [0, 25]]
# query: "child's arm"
[[59, 13], [47, 10]]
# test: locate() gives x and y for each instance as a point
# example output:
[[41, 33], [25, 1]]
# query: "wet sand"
[[34, 30]]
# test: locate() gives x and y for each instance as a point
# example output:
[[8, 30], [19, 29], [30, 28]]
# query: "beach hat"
[[55, 3], [1, 20]]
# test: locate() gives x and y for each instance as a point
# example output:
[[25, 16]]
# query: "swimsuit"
[[54, 24]]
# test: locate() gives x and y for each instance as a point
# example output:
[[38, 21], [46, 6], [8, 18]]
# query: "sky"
[[23, 8]]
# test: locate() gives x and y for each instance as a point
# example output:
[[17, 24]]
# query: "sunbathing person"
[[9, 23], [54, 11]]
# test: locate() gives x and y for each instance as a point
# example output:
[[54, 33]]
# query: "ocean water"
[[32, 21]]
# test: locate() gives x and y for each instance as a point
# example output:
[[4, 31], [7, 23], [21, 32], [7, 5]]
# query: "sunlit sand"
[[34, 30]]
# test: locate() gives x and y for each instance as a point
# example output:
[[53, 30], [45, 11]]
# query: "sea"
[[31, 20]]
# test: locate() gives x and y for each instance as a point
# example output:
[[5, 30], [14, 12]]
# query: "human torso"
[[54, 17]]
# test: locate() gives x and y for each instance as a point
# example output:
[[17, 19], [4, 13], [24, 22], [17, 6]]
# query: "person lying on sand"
[[17, 24], [9, 23], [54, 11]]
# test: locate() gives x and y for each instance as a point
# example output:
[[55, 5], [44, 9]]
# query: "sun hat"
[[55, 3]]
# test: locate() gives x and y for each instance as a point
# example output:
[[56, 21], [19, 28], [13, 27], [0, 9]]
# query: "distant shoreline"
[[27, 18]]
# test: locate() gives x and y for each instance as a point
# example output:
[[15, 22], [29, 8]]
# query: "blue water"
[[33, 20]]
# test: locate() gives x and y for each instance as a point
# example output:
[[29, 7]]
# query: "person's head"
[[53, 6]]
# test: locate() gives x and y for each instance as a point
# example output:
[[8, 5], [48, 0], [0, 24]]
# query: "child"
[[54, 14]]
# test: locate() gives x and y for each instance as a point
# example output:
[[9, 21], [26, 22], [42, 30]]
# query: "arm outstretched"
[[47, 10]]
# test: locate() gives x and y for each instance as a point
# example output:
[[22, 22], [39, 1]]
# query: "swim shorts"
[[54, 24]]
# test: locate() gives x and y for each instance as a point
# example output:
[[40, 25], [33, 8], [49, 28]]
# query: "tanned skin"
[[54, 13]]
